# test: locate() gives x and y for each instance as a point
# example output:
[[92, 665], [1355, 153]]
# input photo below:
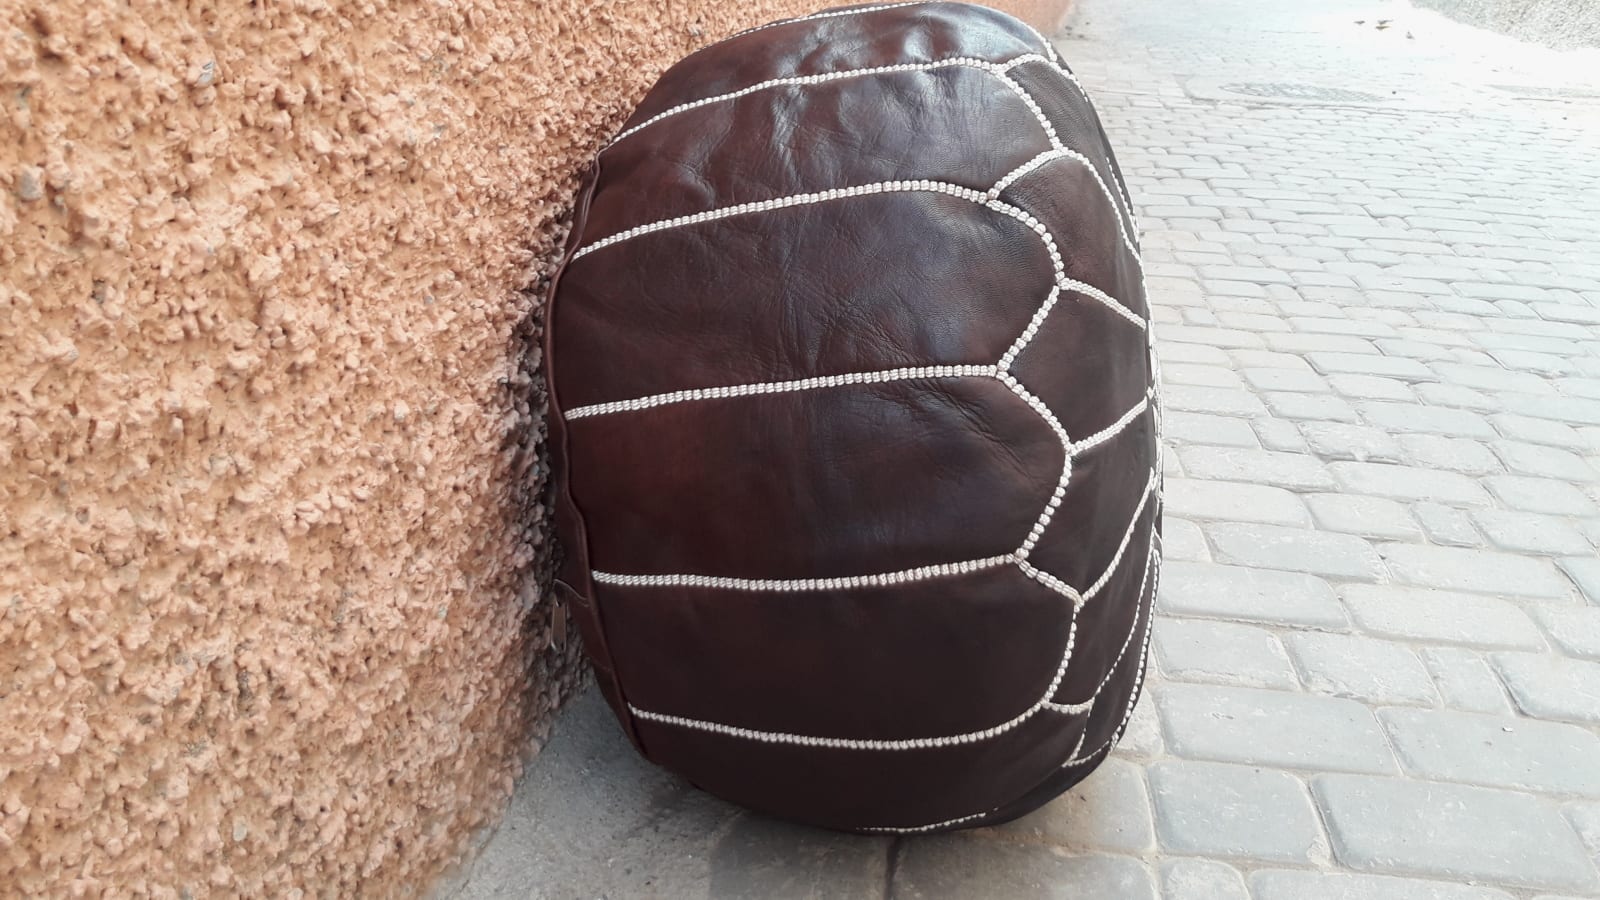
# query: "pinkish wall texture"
[[270, 542]]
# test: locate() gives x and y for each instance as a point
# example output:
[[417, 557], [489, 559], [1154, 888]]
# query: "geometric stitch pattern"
[[999, 371]]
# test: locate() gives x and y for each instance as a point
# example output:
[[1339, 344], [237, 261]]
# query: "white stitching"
[[1138, 680], [1086, 705], [846, 582], [781, 387], [1062, 152], [822, 15], [780, 737], [819, 78], [937, 825]]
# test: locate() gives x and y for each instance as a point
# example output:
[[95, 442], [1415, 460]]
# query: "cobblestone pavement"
[[1375, 261]]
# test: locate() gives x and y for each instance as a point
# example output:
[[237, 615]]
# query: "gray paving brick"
[[1549, 687], [1537, 431], [1492, 378], [1249, 595], [1585, 819], [1465, 680], [1261, 360], [1361, 668], [1201, 879], [1416, 614], [1279, 434], [1360, 443], [1205, 376], [1182, 539], [1447, 525], [1234, 811], [1584, 571], [747, 862], [962, 865], [1210, 337], [1451, 831], [1371, 517], [1273, 728], [1407, 483], [1298, 380], [1399, 367], [1337, 347], [1529, 532], [1295, 549], [1109, 810], [1176, 352], [1371, 387], [1224, 401], [1478, 571], [1286, 884], [1542, 495], [1433, 451], [1575, 630], [1572, 410], [1457, 396], [1204, 428], [1234, 501], [1311, 407], [1495, 751], [1221, 653], [1546, 462], [1419, 419], [1290, 470]]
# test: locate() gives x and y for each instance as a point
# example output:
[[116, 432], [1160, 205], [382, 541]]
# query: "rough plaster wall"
[[270, 542]]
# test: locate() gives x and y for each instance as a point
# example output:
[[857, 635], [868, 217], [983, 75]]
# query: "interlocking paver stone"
[[1251, 595], [1370, 517], [1451, 831], [1455, 454], [1295, 549], [1275, 728], [1313, 407], [1541, 495], [1481, 571], [747, 862], [1109, 810], [1575, 631], [1371, 387], [1221, 401], [1549, 687], [1369, 364], [1445, 617], [1407, 483], [1347, 665], [1360, 443], [1233, 501], [1289, 470], [1545, 462], [1201, 879], [1525, 532], [1182, 539], [1283, 884], [1234, 811], [1415, 418], [962, 865], [1585, 573], [1221, 653], [1465, 680], [1204, 428], [1495, 751], [1447, 525], [1585, 819]]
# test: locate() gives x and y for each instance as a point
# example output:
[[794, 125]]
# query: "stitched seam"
[[881, 376], [1086, 705], [847, 582], [779, 737]]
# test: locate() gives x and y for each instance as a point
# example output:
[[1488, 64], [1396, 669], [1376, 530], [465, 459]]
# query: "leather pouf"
[[853, 422]]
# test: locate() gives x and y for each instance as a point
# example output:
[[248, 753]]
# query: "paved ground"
[[1377, 673]]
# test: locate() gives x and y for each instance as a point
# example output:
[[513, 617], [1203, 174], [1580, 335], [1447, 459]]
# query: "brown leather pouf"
[[854, 425]]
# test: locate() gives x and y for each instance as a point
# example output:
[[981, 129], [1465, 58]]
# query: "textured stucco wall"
[[270, 543]]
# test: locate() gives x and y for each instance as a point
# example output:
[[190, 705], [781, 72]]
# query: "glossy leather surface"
[[816, 573]]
